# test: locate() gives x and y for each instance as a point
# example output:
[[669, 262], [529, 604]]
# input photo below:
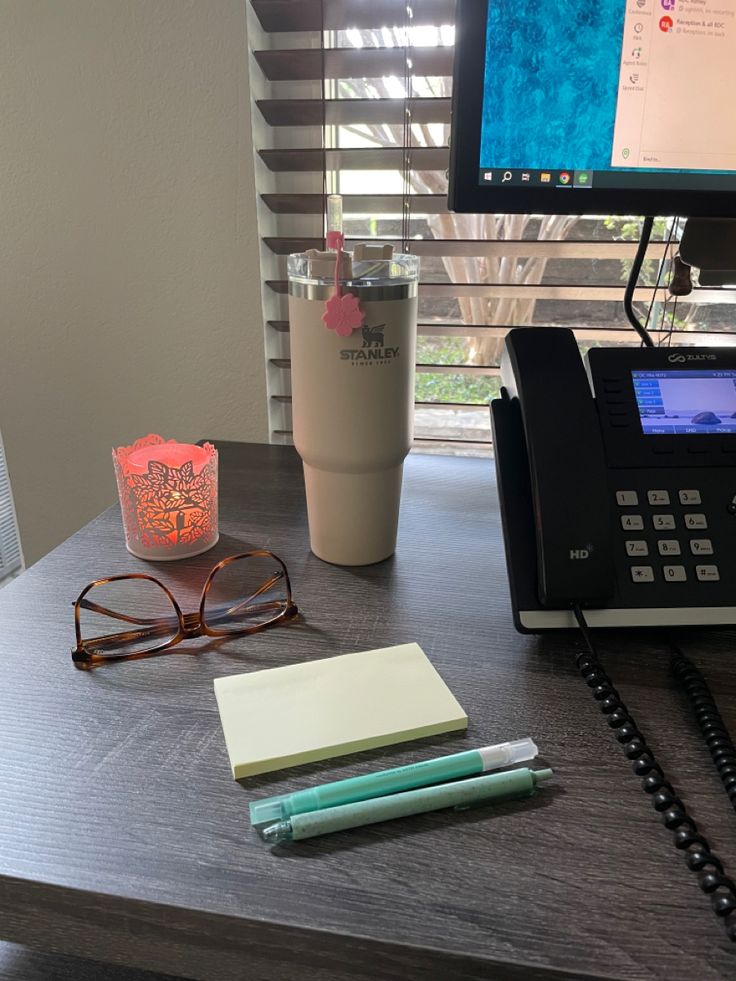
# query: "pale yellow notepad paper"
[[305, 712]]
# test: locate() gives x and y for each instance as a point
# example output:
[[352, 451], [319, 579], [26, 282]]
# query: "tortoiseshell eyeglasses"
[[242, 594]]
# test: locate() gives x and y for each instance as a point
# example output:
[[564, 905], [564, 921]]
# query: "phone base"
[[537, 621], [515, 499]]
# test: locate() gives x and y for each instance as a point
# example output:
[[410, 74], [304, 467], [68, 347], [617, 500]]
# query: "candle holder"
[[168, 497]]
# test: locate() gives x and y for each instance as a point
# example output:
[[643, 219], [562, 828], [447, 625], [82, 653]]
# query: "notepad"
[[313, 711]]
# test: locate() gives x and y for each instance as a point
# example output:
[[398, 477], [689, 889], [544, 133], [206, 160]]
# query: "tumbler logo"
[[373, 350], [373, 336]]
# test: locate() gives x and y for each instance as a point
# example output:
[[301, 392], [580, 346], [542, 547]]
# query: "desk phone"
[[617, 489], [618, 503]]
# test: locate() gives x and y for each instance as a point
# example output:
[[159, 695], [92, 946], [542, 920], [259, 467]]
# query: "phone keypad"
[[654, 523], [701, 546], [627, 498], [663, 522], [637, 547], [696, 521], [707, 573], [674, 573], [632, 522]]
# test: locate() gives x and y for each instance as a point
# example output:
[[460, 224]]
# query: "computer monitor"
[[604, 107]]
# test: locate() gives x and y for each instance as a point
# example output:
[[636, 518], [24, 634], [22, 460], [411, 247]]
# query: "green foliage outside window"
[[441, 387]]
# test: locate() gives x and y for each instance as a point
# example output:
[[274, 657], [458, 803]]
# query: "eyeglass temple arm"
[[190, 620], [261, 589], [86, 604], [162, 625]]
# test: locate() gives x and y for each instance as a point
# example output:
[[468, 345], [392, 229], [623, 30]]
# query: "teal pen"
[[466, 764], [465, 793]]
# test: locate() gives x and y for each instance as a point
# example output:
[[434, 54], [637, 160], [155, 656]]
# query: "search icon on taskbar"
[[506, 177]]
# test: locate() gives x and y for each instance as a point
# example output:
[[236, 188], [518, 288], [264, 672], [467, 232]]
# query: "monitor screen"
[[620, 105], [685, 402]]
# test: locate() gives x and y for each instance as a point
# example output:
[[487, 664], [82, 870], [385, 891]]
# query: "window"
[[354, 97]]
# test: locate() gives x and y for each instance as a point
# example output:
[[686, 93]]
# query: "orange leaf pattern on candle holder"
[[167, 506]]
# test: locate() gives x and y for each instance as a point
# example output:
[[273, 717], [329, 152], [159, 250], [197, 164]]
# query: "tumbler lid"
[[370, 271]]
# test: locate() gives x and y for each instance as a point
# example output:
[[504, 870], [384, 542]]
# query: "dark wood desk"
[[124, 838]]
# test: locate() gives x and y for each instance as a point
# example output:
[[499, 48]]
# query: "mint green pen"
[[370, 785], [464, 793]]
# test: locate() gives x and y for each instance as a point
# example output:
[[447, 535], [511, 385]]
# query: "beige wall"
[[129, 278]]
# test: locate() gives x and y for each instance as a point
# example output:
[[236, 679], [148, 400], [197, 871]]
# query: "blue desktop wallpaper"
[[550, 86]]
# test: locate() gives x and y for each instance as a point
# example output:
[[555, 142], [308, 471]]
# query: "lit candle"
[[168, 497]]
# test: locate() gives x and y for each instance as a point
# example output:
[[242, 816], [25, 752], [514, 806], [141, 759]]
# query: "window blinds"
[[10, 554], [353, 97]]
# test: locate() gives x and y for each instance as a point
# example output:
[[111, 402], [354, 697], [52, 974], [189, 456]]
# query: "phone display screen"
[[686, 402]]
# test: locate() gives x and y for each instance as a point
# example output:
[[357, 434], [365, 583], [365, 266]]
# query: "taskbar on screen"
[[512, 177], [575, 180]]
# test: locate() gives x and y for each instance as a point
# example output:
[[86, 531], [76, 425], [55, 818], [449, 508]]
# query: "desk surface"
[[123, 836]]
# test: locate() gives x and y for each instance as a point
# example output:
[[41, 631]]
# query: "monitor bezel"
[[466, 195]]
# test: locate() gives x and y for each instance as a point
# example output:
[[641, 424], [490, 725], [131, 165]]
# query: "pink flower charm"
[[343, 314]]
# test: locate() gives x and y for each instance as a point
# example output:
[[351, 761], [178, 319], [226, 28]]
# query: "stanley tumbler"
[[353, 399]]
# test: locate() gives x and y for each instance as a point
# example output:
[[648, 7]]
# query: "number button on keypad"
[[632, 522], [695, 521], [637, 548], [668, 546], [663, 522], [642, 573], [657, 498], [701, 546], [674, 573], [689, 496], [707, 573], [627, 499]]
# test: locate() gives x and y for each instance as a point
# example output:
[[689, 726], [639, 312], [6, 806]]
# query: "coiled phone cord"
[[716, 735], [698, 854]]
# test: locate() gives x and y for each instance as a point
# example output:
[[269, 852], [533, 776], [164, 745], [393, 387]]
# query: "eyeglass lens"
[[246, 593], [126, 616]]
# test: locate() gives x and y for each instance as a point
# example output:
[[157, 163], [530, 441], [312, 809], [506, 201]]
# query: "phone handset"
[[542, 367]]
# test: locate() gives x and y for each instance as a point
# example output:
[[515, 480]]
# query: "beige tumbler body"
[[353, 409]]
